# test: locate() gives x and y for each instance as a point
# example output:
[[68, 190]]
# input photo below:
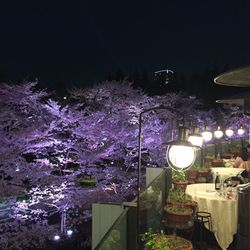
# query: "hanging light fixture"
[[229, 132], [181, 154], [218, 134], [195, 137], [207, 134], [241, 131]]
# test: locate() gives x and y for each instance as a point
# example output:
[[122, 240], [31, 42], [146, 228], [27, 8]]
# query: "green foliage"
[[175, 195], [160, 241], [178, 175], [87, 183], [179, 210], [22, 197]]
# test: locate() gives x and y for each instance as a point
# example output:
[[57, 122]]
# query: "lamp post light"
[[197, 140], [195, 137], [207, 136], [176, 150], [241, 132], [218, 134], [181, 147], [229, 133]]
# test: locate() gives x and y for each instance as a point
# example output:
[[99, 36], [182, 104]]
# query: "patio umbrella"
[[236, 78]]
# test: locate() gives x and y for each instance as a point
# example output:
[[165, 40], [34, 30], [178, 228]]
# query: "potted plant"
[[179, 179], [176, 213], [160, 241], [204, 175], [192, 174], [179, 207], [180, 198]]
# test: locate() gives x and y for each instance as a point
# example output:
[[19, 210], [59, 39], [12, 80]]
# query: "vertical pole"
[[63, 221], [215, 149], [202, 157], [139, 180], [139, 167], [204, 153]]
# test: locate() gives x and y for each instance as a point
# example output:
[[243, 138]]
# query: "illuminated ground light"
[[69, 232], [57, 237]]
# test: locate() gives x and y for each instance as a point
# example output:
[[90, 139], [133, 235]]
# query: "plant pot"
[[188, 204], [217, 163], [180, 185], [204, 172], [201, 179], [170, 242], [192, 174], [226, 155], [178, 214]]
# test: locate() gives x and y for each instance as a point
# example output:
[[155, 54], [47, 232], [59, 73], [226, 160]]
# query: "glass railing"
[[116, 238], [122, 234], [152, 201]]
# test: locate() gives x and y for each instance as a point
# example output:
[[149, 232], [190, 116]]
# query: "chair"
[[233, 181], [203, 218]]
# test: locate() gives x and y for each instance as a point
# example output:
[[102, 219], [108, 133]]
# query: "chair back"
[[233, 181]]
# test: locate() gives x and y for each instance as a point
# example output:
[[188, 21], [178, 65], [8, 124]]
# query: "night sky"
[[82, 42]]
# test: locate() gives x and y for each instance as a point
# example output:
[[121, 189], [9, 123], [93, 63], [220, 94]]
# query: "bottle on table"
[[217, 182]]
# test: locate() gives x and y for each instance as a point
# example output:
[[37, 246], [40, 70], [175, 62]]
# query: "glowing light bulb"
[[241, 131], [57, 237], [218, 133], [180, 157], [196, 140], [229, 132], [69, 232], [207, 136]]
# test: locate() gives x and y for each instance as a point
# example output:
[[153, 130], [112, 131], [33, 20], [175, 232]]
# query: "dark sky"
[[81, 42]]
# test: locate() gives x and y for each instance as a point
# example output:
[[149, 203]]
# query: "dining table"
[[223, 211]]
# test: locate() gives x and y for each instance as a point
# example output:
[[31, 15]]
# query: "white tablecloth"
[[223, 211], [225, 172]]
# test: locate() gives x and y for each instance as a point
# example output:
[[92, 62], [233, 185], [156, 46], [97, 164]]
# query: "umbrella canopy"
[[239, 102], [236, 78]]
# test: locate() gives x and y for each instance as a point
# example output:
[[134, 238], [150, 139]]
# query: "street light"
[[229, 133], [174, 153], [241, 132], [218, 134], [195, 137], [181, 154], [207, 136]]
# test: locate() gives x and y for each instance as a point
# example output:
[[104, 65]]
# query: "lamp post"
[[229, 133], [196, 139], [218, 134], [207, 136], [241, 132], [175, 150]]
